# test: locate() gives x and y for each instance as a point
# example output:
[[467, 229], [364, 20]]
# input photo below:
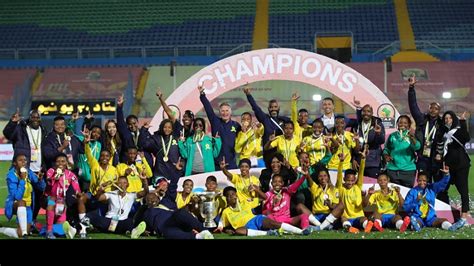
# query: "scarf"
[[448, 138]]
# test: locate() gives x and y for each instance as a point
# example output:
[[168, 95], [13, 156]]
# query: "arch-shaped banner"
[[278, 64]]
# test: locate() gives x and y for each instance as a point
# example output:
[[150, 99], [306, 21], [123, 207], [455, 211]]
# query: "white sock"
[[445, 225], [312, 219], [252, 232], [364, 224], [21, 214], [328, 221], [81, 215], [291, 229], [380, 222], [346, 224], [11, 232], [83, 229], [399, 224]]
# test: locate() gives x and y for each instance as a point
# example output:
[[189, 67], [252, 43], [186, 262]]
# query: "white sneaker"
[[69, 230], [205, 235], [137, 231], [83, 233]]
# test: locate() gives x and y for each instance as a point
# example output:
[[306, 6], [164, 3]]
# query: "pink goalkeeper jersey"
[[279, 209], [58, 188]]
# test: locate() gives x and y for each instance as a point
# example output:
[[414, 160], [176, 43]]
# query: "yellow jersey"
[[237, 217], [386, 204], [424, 208], [319, 196], [299, 131], [134, 181], [249, 144], [246, 198], [288, 148], [98, 175], [352, 197], [180, 202], [28, 190], [315, 148], [346, 147]]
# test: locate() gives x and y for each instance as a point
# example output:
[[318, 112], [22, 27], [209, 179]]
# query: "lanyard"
[[246, 187], [198, 145], [321, 149], [121, 203], [166, 148], [342, 138], [112, 144], [94, 149], [60, 144], [274, 122], [365, 131], [288, 149], [431, 132], [37, 141], [252, 135], [135, 137], [198, 137], [64, 184], [101, 177], [404, 136]]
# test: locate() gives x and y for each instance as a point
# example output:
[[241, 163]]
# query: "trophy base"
[[210, 224]]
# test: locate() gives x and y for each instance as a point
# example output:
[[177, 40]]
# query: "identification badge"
[[70, 161], [59, 210], [113, 223], [34, 155], [426, 150]]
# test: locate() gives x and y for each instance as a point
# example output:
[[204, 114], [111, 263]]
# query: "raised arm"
[[91, 160], [259, 192], [226, 172], [144, 180], [379, 136], [271, 143], [167, 109], [368, 199], [443, 183], [12, 126], [261, 116], [463, 133], [122, 128], [146, 166], [412, 103], [16, 186], [342, 156], [401, 200], [293, 188], [213, 119]]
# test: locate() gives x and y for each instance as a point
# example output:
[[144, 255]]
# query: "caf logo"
[[386, 112]]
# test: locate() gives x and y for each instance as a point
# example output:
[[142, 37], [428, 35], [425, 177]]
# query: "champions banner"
[[277, 64]]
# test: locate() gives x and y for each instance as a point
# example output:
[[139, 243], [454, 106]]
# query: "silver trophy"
[[208, 208]]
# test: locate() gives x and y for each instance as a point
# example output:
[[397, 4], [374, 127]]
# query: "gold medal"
[[166, 148]]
